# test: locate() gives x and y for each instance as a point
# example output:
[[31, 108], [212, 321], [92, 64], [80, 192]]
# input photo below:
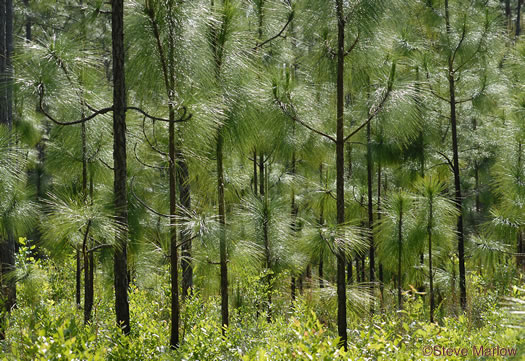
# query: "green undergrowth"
[[47, 325]]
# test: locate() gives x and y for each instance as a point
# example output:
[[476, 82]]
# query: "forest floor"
[[48, 325]]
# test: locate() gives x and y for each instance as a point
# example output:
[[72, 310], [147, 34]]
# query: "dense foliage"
[[261, 179]]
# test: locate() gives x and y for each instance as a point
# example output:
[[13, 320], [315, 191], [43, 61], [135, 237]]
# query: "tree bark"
[[28, 24], [457, 180], [430, 270], [174, 259], [119, 164], [518, 18], [381, 285], [399, 253], [340, 172], [8, 245], [222, 221], [369, 169]]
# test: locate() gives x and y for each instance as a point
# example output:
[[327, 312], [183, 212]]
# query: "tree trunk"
[[369, 167], [28, 21], [457, 180], [174, 259], [399, 253], [8, 245], [321, 223], [255, 189], [222, 220], [381, 285], [119, 164], [430, 274], [518, 18], [340, 173]]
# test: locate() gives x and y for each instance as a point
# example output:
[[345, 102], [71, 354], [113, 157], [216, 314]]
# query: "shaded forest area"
[[261, 179]]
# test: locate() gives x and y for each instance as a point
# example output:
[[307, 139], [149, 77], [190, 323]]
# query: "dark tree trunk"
[[518, 18], [119, 164], [520, 258], [28, 21], [174, 259], [430, 270], [321, 223], [8, 245], [458, 197], [381, 285], [457, 180], [399, 253], [255, 189], [369, 169], [222, 220], [340, 173]]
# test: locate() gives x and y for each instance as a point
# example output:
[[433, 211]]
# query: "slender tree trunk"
[[518, 18], [119, 164], [381, 285], [369, 167], [8, 245], [520, 258], [255, 187], [340, 173], [457, 180], [174, 261], [430, 270], [399, 253], [28, 24], [321, 223], [293, 214], [222, 220], [508, 13]]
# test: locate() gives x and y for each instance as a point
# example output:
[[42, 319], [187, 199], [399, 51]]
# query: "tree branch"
[[447, 159], [145, 164], [379, 107], [292, 116], [144, 203], [99, 247], [352, 46], [463, 33], [279, 34], [82, 120], [148, 141], [107, 165], [183, 117]]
